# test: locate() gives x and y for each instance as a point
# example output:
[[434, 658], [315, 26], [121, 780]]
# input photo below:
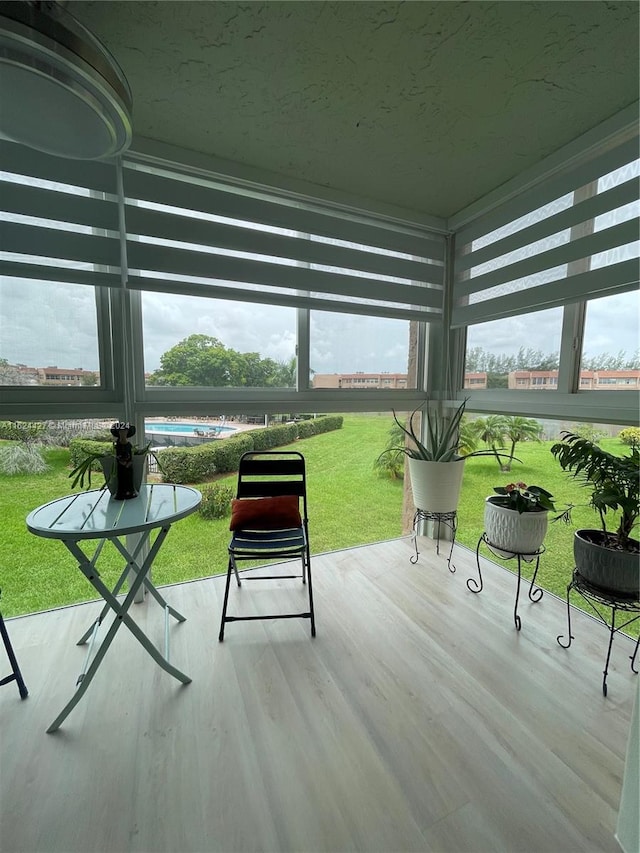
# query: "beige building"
[[475, 381], [590, 380], [353, 381], [53, 375]]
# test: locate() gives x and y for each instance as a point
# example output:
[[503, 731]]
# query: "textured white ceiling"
[[422, 105]]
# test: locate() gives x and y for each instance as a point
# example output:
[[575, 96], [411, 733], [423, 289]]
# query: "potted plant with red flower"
[[517, 516]]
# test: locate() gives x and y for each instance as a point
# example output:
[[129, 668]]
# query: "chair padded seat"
[[272, 540]]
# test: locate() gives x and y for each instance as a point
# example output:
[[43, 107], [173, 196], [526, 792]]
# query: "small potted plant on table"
[[123, 467]]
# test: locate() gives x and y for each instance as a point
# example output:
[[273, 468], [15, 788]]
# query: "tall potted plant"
[[436, 465], [606, 558]]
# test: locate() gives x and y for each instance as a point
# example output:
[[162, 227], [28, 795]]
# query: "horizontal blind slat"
[[62, 274], [294, 300], [605, 281], [584, 247], [159, 189], [565, 219], [45, 204], [169, 226], [64, 245], [182, 262]]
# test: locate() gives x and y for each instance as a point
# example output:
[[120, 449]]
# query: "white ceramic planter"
[[512, 532], [436, 485]]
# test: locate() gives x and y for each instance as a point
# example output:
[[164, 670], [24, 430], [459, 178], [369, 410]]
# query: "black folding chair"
[[269, 522], [16, 675]]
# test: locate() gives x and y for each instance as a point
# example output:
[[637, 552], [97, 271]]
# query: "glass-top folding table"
[[128, 524]]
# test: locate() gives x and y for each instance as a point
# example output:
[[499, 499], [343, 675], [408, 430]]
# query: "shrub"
[[80, 448], [188, 464], [230, 450], [22, 459], [630, 436], [216, 499], [327, 423], [27, 432], [198, 464], [589, 432], [274, 436], [306, 429]]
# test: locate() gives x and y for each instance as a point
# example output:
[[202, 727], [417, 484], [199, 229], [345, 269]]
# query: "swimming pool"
[[184, 428]]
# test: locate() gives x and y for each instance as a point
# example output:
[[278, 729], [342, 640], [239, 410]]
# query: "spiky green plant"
[[442, 437]]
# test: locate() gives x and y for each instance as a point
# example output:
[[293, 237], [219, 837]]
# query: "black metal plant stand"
[[535, 593], [16, 675], [595, 596], [448, 519]]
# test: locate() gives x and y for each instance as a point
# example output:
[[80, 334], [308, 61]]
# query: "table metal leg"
[[131, 571], [121, 617]]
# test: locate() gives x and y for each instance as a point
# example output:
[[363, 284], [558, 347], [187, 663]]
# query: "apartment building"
[[590, 380], [354, 381]]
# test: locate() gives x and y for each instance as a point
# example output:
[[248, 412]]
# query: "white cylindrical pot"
[[513, 532], [436, 485]]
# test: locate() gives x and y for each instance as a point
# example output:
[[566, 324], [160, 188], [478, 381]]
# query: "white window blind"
[[58, 218], [190, 235], [572, 238]]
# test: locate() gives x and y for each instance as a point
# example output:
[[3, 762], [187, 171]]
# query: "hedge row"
[[80, 448], [198, 464]]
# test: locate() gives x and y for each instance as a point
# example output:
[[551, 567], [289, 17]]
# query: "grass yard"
[[349, 504], [538, 468]]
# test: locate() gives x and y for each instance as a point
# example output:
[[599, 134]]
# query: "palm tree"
[[469, 435], [391, 462], [492, 431], [520, 429]]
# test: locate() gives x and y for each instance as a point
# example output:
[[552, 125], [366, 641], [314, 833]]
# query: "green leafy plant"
[[216, 499], [614, 482]]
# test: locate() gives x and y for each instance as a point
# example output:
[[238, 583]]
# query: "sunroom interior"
[[443, 165]]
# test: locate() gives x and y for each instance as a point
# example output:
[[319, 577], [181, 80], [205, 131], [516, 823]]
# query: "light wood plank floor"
[[418, 719]]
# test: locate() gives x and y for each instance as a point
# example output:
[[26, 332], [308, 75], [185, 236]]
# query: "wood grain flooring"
[[418, 719]]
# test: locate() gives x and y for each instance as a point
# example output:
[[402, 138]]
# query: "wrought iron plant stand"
[[448, 519], [596, 597], [535, 593]]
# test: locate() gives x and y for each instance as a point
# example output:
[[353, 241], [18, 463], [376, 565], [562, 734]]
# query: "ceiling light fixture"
[[61, 91]]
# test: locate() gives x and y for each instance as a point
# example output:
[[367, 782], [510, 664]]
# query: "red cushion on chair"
[[265, 513]]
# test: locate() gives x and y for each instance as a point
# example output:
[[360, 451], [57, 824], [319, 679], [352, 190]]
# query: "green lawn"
[[541, 469], [349, 504]]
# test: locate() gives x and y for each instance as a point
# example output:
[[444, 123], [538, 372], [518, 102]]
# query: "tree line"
[[482, 361], [497, 367]]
